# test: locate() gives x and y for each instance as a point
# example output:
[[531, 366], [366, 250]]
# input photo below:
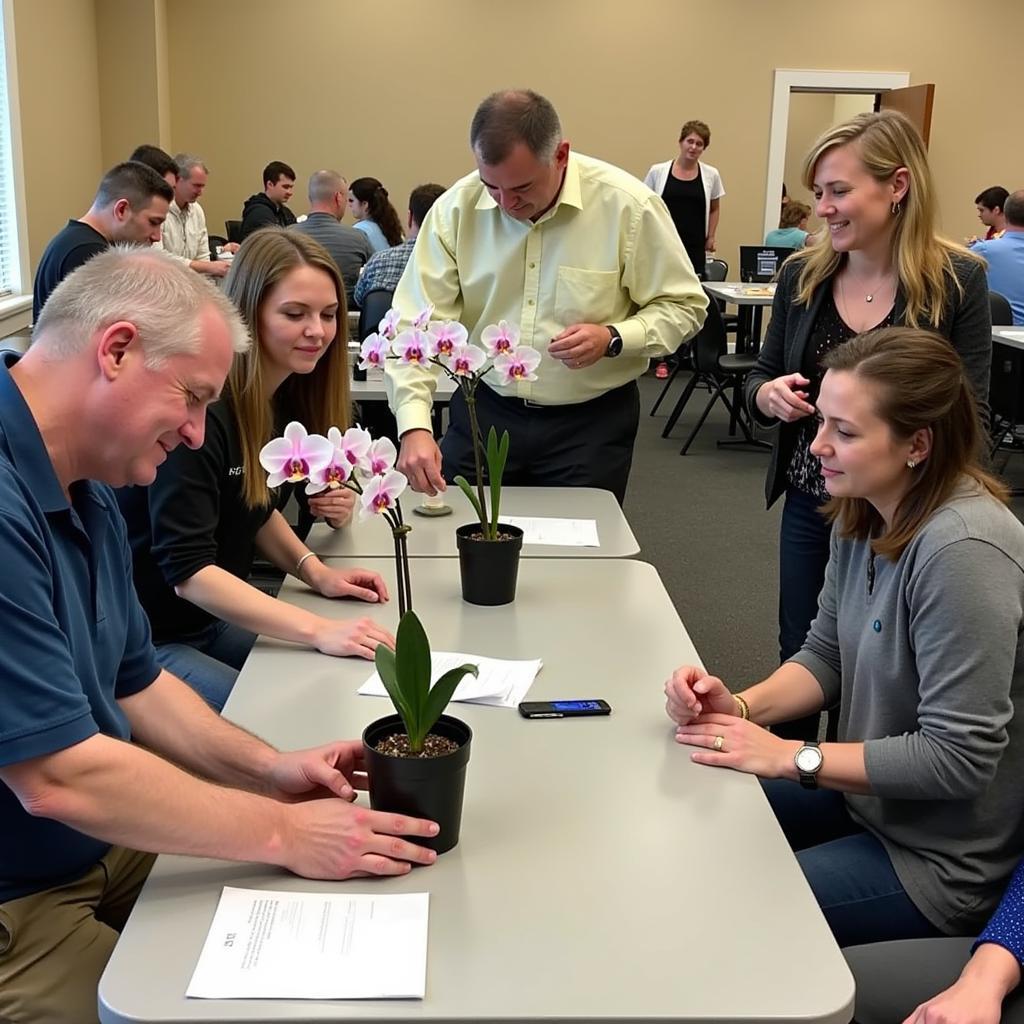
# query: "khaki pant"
[[55, 944]]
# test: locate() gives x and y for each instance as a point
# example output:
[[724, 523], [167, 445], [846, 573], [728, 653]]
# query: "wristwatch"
[[615, 345], [808, 760]]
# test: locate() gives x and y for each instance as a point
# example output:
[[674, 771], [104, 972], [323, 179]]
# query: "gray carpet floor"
[[700, 520]]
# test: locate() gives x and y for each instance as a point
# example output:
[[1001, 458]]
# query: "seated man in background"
[[105, 759], [350, 249], [161, 162], [989, 205], [1005, 256], [384, 271], [184, 232], [131, 204], [792, 231], [270, 207]]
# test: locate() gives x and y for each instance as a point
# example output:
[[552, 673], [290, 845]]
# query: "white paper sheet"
[[570, 533], [266, 944], [500, 683]]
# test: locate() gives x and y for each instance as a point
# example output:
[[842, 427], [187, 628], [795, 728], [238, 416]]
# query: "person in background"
[[882, 264], [910, 825], [161, 162], [989, 205], [350, 249], [130, 205], [373, 213], [792, 231], [270, 207], [195, 530], [184, 233], [585, 262], [385, 269], [692, 191], [1004, 255]]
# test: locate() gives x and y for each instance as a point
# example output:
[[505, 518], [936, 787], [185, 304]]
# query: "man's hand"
[[580, 345], [213, 268], [345, 637], [334, 769], [332, 839], [231, 247], [334, 505], [420, 460]]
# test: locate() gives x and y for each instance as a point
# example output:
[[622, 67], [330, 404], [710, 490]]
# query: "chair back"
[[375, 305], [234, 230], [216, 242], [716, 270], [1002, 314], [710, 342]]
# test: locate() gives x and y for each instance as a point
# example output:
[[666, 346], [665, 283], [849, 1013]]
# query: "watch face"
[[808, 759]]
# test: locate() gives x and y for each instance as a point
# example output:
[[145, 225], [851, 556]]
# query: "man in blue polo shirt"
[[1005, 256], [127, 354]]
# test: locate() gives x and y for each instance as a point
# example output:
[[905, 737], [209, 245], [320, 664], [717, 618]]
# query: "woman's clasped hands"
[[708, 717]]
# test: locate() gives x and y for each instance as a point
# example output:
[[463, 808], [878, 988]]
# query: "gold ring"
[[719, 742]]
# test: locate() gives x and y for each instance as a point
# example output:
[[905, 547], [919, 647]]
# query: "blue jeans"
[[209, 661], [803, 555], [847, 868]]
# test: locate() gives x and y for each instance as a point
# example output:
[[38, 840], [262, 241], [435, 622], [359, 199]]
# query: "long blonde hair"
[[319, 399], [885, 142]]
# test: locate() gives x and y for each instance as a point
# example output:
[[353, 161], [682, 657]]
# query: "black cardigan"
[[966, 322]]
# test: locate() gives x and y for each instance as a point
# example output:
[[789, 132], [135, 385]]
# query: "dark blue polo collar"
[[25, 444]]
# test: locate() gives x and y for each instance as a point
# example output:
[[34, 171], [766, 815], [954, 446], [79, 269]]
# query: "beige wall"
[[388, 88], [58, 81]]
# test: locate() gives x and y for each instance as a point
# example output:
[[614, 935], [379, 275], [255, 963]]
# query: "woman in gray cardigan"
[[919, 639], [880, 264]]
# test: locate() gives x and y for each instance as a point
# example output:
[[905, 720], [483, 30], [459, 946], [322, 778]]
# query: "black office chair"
[[1005, 383], [216, 242], [1002, 314], [375, 305], [714, 367], [718, 270], [234, 230]]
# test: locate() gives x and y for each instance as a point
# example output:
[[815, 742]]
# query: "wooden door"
[[914, 101]]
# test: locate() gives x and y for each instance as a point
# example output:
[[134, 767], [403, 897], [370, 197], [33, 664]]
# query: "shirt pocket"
[[587, 296]]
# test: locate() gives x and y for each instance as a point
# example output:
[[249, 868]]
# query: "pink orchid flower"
[[412, 347], [381, 493], [423, 318], [353, 445], [381, 457], [465, 360], [517, 365], [336, 472], [388, 327], [295, 456], [445, 337], [373, 351], [500, 337]]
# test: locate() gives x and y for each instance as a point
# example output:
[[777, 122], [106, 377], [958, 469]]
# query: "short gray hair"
[[146, 287], [323, 185], [1013, 208], [187, 163], [511, 116]]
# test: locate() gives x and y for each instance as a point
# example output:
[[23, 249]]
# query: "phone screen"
[[576, 705]]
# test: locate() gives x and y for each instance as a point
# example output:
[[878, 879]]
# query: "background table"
[[435, 537], [601, 875], [749, 333]]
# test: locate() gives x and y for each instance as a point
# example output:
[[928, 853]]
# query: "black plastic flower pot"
[[489, 568], [423, 787]]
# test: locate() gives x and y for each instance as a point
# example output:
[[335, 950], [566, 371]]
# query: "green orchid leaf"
[[441, 693], [384, 659], [468, 491], [412, 662], [497, 456]]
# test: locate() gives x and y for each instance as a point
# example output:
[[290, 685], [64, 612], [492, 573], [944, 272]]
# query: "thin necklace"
[[869, 296]]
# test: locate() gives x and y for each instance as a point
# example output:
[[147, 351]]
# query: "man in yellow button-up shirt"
[[586, 261]]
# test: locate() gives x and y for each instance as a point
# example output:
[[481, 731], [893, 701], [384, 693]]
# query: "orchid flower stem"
[[474, 427], [405, 557]]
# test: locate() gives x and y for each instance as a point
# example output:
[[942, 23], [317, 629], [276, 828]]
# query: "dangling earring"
[[911, 463], [897, 208]]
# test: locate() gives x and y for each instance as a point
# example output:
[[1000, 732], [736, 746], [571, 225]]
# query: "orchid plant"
[[352, 459], [445, 344]]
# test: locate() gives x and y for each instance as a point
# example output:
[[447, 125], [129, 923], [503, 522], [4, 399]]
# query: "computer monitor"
[[760, 263]]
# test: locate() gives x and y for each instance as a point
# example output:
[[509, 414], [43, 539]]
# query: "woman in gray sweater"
[[917, 824]]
